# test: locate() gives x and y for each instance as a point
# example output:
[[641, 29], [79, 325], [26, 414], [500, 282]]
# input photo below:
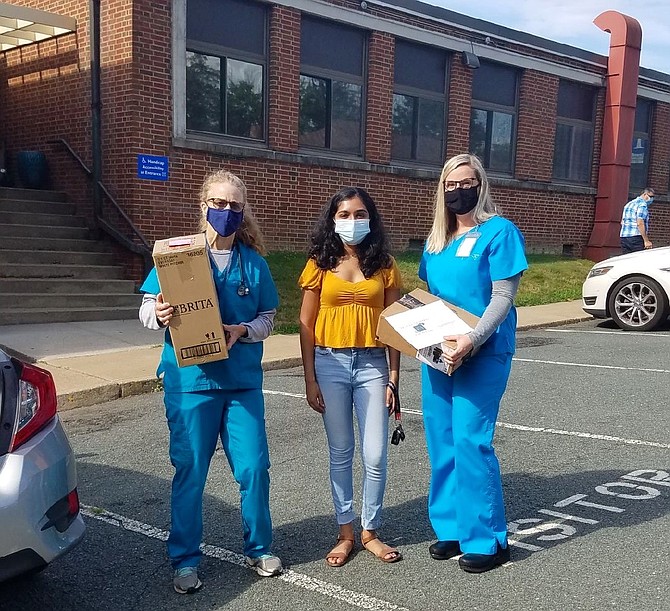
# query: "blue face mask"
[[225, 222], [352, 231]]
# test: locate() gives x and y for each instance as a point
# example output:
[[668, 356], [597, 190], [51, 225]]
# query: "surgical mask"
[[650, 200], [225, 222], [461, 201], [352, 231]]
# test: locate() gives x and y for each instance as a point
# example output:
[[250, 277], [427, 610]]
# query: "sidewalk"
[[93, 362]]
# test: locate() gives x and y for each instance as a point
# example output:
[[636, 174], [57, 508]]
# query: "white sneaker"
[[185, 580], [266, 565]]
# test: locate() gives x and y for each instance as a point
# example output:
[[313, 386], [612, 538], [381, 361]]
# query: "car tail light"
[[36, 403]]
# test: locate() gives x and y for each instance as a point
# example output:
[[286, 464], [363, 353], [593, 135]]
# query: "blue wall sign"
[[152, 167]]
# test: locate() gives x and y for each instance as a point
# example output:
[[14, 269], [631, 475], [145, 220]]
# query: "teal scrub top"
[[242, 369], [467, 281]]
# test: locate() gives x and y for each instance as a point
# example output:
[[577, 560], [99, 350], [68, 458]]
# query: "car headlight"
[[599, 271]]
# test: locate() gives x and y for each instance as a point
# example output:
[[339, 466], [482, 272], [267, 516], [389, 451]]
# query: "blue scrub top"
[[466, 281], [242, 369]]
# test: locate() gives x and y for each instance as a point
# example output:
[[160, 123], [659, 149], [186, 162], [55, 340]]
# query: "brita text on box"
[[185, 277]]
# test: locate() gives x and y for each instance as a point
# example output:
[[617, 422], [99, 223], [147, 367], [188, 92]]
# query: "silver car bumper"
[[32, 479]]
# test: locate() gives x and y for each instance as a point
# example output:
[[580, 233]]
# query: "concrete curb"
[[554, 323], [113, 391]]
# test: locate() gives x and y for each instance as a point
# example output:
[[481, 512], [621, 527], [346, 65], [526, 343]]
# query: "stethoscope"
[[242, 288]]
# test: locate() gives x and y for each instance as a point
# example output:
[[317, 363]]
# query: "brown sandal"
[[343, 557], [383, 554]]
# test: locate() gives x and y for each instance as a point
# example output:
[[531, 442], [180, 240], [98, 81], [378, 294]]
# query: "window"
[[418, 103], [639, 166], [331, 86], [493, 117], [226, 67], [573, 146]]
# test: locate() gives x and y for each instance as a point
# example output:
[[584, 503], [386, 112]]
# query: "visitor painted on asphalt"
[[347, 281], [221, 399], [473, 259]]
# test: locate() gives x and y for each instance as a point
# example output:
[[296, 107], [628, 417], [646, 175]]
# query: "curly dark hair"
[[327, 248]]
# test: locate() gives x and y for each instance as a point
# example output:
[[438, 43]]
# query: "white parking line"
[[355, 599], [604, 332], [590, 365], [541, 429]]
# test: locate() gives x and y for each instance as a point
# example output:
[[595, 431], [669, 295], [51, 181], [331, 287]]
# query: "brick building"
[[301, 97]]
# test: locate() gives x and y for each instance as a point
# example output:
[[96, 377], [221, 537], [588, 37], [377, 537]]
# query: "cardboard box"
[[185, 277], [425, 322]]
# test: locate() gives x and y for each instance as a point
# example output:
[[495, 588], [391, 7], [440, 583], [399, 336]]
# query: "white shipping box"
[[185, 278], [417, 323]]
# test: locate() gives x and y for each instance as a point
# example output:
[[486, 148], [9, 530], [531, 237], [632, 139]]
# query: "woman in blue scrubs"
[[473, 259], [222, 399]]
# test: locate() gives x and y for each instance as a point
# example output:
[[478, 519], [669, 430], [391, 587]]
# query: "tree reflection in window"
[[418, 103], [493, 115], [237, 113], [330, 114]]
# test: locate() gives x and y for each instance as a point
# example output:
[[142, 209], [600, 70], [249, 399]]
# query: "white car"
[[632, 289]]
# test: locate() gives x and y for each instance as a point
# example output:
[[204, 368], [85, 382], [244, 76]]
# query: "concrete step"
[[39, 315], [22, 301], [39, 232], [39, 207], [30, 270], [57, 286], [60, 244], [33, 218], [32, 194], [56, 257]]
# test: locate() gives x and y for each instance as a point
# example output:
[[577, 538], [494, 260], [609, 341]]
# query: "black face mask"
[[461, 201]]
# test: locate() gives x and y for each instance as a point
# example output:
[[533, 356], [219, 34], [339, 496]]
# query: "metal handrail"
[[141, 249]]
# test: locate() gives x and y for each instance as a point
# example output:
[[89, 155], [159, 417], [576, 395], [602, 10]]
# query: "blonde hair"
[[249, 232], [444, 221]]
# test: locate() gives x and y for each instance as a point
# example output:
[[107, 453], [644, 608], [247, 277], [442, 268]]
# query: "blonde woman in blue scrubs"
[[222, 399], [474, 259]]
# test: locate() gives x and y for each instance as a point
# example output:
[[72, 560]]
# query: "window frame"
[[490, 108], [181, 45], [418, 93], [573, 122], [651, 108], [330, 75]]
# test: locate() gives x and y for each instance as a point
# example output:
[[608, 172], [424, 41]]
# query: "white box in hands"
[[417, 323]]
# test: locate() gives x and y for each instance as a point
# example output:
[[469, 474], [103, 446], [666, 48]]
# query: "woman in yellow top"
[[348, 280]]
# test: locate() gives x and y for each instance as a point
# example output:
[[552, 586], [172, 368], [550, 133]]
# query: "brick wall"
[[46, 94], [378, 116], [458, 113], [536, 129]]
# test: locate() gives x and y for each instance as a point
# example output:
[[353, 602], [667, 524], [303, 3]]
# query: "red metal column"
[[619, 120]]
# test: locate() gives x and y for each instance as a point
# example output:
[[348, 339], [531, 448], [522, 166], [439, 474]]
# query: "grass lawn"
[[549, 279]]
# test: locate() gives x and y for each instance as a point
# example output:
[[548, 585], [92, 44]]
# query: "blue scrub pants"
[[465, 501], [196, 420]]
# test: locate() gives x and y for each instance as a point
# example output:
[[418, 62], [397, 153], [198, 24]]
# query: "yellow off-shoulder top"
[[348, 311]]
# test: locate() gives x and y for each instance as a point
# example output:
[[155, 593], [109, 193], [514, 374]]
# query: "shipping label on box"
[[417, 323], [185, 277]]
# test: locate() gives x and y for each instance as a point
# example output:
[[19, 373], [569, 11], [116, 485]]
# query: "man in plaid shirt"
[[635, 223]]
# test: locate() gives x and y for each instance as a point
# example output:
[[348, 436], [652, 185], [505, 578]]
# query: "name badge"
[[466, 246]]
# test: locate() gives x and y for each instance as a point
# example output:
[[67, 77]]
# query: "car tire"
[[638, 303]]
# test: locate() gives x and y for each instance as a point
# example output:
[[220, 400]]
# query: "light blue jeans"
[[354, 379]]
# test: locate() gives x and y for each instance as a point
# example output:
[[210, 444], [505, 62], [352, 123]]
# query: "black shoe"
[[443, 550], [479, 563]]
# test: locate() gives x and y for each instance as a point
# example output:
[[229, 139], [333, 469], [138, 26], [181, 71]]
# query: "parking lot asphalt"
[[584, 443]]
